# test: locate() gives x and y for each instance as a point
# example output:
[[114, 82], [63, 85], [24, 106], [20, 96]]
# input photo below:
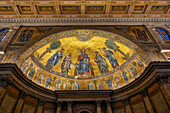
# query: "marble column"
[[98, 104], [69, 107], [59, 107], [109, 108], [4, 85], [164, 87]]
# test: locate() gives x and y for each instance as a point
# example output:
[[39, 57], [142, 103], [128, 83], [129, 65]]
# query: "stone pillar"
[[69, 107], [20, 103], [109, 109], [127, 106], [40, 106], [59, 107], [4, 83], [163, 81], [165, 88], [147, 102], [98, 104], [3, 89]]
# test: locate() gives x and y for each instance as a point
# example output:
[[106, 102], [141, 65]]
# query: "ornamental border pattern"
[[69, 20]]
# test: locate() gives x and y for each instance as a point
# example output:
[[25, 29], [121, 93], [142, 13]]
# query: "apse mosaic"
[[83, 60]]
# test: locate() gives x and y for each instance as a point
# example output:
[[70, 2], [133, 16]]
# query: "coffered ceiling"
[[84, 8]]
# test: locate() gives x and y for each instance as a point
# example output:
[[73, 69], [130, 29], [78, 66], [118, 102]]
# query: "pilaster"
[[59, 103], [98, 104], [69, 107], [109, 109], [4, 83], [163, 81], [127, 106], [40, 106], [20, 103], [147, 102]]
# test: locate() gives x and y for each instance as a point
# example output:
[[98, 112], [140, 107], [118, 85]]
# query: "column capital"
[[59, 102], [162, 78], [109, 109], [98, 101], [144, 93], [23, 95], [108, 101], [69, 102], [5, 80], [41, 102], [126, 101]]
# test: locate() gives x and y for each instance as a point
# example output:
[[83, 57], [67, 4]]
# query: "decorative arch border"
[[76, 32], [84, 109], [69, 33]]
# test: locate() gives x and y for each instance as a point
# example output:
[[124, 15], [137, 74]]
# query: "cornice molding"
[[77, 20]]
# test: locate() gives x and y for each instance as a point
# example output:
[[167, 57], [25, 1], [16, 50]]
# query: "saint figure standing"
[[67, 64], [101, 62], [110, 56], [55, 59]]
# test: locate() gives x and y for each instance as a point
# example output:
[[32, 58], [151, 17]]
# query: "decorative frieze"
[[76, 20]]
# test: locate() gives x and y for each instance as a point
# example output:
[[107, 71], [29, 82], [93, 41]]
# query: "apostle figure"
[[57, 85], [110, 56], [83, 67], [101, 62], [125, 76], [31, 73], [55, 59], [66, 64], [133, 70], [75, 86], [91, 86], [118, 81], [48, 82], [109, 82], [66, 85], [40, 78], [114, 84], [24, 68], [99, 86]]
